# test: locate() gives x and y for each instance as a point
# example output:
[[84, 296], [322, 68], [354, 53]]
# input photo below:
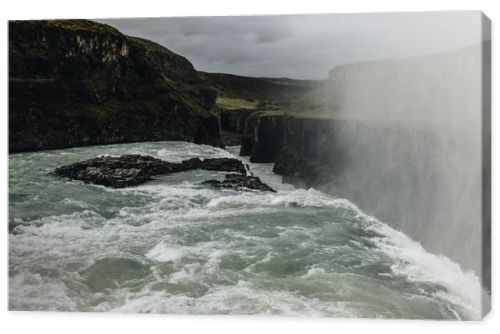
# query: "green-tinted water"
[[175, 246]]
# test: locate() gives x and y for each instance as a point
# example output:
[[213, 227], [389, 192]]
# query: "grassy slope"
[[237, 92], [235, 103], [269, 97]]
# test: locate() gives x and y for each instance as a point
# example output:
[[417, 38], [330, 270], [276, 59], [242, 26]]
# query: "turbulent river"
[[173, 245]]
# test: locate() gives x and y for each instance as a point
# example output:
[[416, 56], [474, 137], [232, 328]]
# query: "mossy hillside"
[[261, 93], [77, 26], [288, 113], [228, 103], [79, 83]]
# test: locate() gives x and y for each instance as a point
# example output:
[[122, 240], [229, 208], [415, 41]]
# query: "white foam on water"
[[417, 265], [411, 259], [314, 271], [71, 201], [164, 253], [296, 198], [242, 298], [190, 150]]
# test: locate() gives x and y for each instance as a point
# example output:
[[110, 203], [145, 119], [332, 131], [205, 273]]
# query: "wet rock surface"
[[239, 182], [132, 170]]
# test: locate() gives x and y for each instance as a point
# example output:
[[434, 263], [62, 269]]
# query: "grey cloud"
[[303, 46]]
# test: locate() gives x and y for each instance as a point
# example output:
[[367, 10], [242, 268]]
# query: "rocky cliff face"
[[233, 123], [234, 120], [77, 82], [305, 150]]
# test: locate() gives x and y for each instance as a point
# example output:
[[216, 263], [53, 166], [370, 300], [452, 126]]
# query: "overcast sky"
[[303, 46]]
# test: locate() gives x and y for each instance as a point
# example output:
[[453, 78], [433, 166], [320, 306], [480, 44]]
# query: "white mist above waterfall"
[[411, 130]]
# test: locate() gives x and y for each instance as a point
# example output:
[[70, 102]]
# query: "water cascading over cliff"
[[411, 135]]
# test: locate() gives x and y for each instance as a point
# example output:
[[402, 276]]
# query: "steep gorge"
[[403, 139], [77, 83]]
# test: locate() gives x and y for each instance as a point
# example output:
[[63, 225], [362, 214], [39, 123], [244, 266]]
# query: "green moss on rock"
[[78, 82]]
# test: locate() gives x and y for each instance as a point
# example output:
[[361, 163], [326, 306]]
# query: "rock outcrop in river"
[[132, 170], [239, 182], [78, 82]]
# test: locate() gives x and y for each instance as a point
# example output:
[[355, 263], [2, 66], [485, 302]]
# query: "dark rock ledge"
[[132, 170], [240, 182]]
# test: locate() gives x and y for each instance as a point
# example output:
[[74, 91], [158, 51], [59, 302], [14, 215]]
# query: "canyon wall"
[[77, 82]]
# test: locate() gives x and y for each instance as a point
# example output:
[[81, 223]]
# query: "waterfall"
[[411, 130]]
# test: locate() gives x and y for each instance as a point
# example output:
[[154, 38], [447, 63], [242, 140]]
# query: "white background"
[[43, 322]]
